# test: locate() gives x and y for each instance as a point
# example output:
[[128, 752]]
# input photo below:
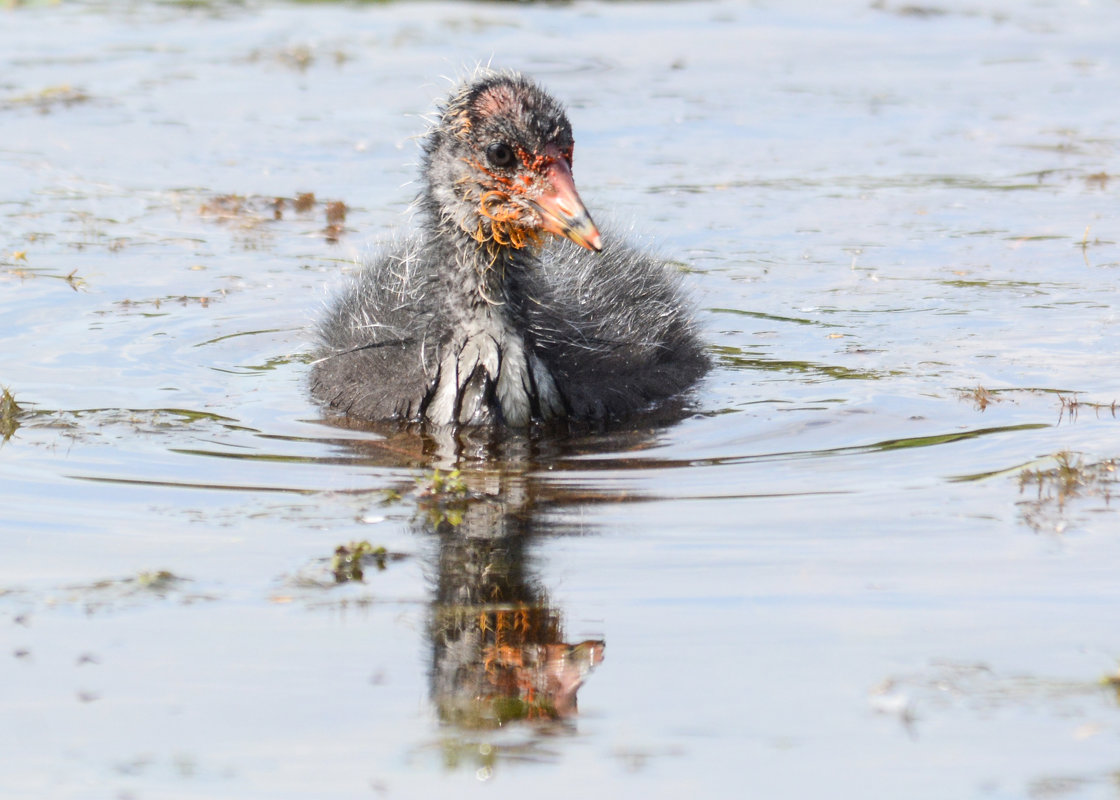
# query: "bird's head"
[[499, 165]]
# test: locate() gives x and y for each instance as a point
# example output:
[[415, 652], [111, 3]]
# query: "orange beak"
[[561, 210]]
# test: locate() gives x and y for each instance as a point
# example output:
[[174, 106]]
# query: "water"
[[877, 560]]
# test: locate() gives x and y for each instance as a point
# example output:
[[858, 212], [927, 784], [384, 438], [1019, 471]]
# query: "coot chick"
[[480, 318]]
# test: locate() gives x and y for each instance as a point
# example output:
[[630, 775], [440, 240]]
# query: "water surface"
[[876, 558]]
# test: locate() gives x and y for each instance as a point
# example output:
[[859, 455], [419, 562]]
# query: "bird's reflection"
[[499, 651], [498, 646]]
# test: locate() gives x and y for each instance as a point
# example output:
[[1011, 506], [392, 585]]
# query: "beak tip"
[[562, 212]]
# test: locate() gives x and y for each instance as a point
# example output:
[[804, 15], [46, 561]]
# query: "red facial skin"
[[545, 182]]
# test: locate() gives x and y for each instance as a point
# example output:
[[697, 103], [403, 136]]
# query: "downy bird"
[[507, 306]]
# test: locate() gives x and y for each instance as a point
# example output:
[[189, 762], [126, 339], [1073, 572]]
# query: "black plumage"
[[479, 317]]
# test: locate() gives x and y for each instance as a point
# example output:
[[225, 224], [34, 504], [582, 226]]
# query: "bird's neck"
[[485, 273], [488, 359]]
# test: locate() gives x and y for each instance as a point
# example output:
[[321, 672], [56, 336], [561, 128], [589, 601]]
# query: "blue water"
[[841, 574]]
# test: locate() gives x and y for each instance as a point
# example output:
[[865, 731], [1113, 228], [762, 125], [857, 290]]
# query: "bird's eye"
[[500, 154]]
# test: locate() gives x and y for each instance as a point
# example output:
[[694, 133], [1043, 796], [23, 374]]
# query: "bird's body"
[[480, 319]]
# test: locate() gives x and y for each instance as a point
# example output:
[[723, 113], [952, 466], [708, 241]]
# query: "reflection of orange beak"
[[561, 210]]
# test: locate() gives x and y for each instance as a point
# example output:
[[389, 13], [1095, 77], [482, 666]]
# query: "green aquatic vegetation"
[[46, 99], [446, 515], [10, 413], [142, 587], [738, 358], [947, 438], [774, 317], [444, 497], [349, 563], [349, 559], [276, 362], [1055, 488], [87, 424], [158, 581], [508, 709], [1024, 287], [261, 332], [439, 484]]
